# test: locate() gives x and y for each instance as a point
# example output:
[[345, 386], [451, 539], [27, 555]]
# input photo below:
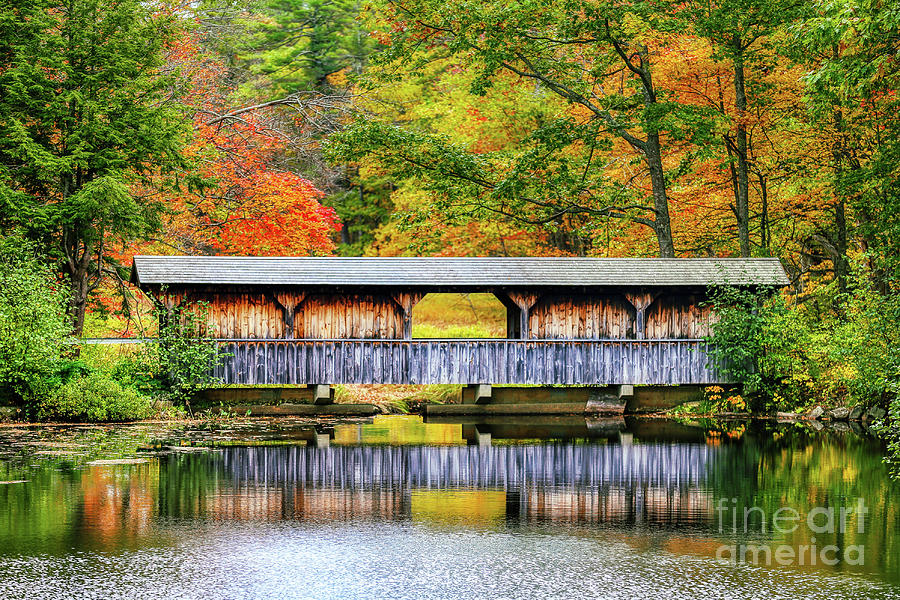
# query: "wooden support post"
[[322, 394], [512, 316], [407, 300], [524, 301], [641, 302], [289, 302]]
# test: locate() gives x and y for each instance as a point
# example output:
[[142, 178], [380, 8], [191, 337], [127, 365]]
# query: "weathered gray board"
[[645, 467], [536, 362]]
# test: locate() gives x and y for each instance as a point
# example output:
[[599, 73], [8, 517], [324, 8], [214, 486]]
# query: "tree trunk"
[[765, 237], [843, 161], [76, 268], [841, 262], [742, 187], [78, 296], [78, 305], [661, 224]]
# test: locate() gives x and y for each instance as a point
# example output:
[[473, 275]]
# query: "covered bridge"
[[594, 321]]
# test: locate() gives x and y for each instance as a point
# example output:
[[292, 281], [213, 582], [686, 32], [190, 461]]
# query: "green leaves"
[[186, 359], [295, 45], [762, 345], [106, 204], [596, 66], [33, 323], [851, 48], [88, 115], [464, 183]]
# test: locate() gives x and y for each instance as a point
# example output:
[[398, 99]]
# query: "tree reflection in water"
[[644, 484]]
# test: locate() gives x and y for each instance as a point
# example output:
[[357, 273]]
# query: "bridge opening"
[[443, 315]]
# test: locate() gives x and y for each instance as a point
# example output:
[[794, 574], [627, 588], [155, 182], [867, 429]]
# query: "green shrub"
[[95, 397], [788, 358], [175, 368], [140, 369], [762, 345], [34, 329], [185, 358], [869, 339]]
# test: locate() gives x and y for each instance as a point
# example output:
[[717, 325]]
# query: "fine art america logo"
[[821, 520]]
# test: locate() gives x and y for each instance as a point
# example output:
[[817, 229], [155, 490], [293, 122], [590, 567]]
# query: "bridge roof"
[[457, 273]]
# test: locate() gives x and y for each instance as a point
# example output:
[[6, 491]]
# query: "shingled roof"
[[440, 272]]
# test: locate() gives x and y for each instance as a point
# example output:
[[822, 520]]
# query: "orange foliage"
[[250, 208]]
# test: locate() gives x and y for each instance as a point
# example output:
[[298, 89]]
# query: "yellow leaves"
[[736, 402], [637, 29], [714, 393], [339, 80]]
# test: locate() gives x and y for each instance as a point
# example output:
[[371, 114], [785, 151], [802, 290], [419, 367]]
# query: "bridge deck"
[[466, 361]]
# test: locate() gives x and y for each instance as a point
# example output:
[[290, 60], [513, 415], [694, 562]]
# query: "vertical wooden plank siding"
[[253, 314], [572, 362], [292, 336], [256, 314], [581, 316], [613, 316]]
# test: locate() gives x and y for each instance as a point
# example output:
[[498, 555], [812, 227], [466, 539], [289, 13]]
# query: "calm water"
[[398, 508]]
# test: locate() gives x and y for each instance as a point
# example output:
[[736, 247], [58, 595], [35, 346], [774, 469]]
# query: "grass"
[[459, 316], [397, 398], [426, 330], [104, 325], [106, 356]]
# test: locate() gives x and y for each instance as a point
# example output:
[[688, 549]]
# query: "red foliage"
[[251, 208]]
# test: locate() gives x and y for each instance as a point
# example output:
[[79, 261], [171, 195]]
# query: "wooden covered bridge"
[[591, 321]]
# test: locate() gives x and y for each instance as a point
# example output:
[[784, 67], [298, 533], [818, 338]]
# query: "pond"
[[400, 508]]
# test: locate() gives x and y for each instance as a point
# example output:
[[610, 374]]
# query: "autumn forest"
[[734, 128]]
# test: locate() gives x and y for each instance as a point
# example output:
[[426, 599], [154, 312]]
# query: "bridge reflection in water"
[[571, 482]]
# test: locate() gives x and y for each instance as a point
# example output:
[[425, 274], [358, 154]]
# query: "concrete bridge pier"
[[322, 394], [321, 438], [483, 399], [482, 436], [482, 393], [610, 400]]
